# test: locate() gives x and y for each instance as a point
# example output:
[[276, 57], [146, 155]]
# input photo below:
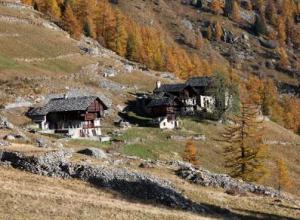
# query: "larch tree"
[[244, 151], [190, 153], [254, 88], [236, 13], [53, 9], [132, 47], [70, 22], [283, 57], [271, 12], [216, 7], [209, 33], [120, 35], [269, 97], [218, 31], [284, 181], [281, 28]]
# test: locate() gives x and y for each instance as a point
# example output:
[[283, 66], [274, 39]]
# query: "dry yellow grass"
[[28, 196]]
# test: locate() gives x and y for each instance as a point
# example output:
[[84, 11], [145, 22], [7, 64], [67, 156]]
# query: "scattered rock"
[[110, 85], [109, 72], [188, 24], [43, 143], [5, 124], [20, 102], [270, 64], [94, 152], [147, 164], [9, 137], [271, 44], [200, 137], [128, 68], [4, 144]]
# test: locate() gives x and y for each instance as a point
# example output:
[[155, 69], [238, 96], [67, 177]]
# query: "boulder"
[[9, 137], [271, 44], [147, 164], [43, 143], [93, 152], [128, 68], [109, 72], [5, 124]]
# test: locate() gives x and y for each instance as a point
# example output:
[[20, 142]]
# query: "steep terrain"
[[180, 21], [38, 61]]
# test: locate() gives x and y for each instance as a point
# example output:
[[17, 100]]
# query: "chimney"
[[158, 84]]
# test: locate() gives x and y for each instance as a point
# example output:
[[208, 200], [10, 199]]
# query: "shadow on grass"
[[150, 193]]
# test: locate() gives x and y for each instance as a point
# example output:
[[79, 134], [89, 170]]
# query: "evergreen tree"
[[228, 7], [226, 95], [190, 153], [244, 152], [132, 47], [284, 181], [260, 25], [88, 28]]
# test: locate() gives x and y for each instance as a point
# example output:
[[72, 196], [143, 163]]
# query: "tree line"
[[118, 32]]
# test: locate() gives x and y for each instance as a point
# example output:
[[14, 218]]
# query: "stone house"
[[76, 117]]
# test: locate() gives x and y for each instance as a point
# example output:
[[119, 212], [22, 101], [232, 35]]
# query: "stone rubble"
[[205, 178], [5, 124]]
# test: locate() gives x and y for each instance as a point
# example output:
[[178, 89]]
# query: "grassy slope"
[[24, 195], [27, 196], [156, 144]]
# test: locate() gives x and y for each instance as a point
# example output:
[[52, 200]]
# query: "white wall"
[[165, 124]]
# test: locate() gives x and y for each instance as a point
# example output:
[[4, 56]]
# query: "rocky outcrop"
[[93, 152], [206, 178], [133, 184]]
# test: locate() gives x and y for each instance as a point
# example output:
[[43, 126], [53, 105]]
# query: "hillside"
[[38, 60], [180, 21]]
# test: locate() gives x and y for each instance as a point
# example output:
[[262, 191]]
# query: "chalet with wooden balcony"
[[185, 94], [164, 109], [76, 117]]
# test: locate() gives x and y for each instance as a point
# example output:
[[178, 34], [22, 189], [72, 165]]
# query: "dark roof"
[[203, 81], [171, 88], [164, 101], [65, 105]]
